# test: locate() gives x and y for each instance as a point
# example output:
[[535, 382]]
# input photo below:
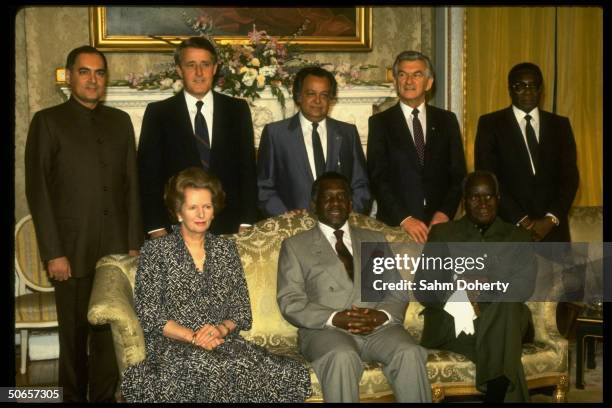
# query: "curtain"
[[580, 93], [497, 38]]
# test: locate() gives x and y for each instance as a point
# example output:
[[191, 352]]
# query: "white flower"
[[268, 71], [340, 80], [249, 77], [255, 62], [177, 86], [261, 81], [166, 83]]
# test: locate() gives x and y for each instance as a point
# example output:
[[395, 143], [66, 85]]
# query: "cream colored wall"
[[45, 35]]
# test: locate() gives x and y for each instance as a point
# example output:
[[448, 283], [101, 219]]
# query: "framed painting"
[[123, 28]]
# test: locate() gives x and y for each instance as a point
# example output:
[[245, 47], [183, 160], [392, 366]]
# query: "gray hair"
[[413, 56]]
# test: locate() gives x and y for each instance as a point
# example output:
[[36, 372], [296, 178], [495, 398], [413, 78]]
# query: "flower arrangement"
[[245, 70]]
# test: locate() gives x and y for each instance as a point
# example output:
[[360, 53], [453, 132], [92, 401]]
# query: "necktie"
[[201, 135], [317, 149], [532, 141], [343, 253], [419, 138]]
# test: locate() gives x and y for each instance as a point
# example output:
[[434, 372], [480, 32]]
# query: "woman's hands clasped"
[[208, 337]]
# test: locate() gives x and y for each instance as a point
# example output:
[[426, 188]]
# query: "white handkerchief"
[[458, 305]]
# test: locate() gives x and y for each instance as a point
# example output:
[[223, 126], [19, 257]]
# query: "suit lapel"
[[334, 142], [516, 140], [220, 123], [296, 139], [327, 259]]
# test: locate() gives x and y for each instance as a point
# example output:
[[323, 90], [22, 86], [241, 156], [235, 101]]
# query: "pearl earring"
[[180, 219]]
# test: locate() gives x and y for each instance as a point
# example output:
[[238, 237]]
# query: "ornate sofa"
[[450, 374]]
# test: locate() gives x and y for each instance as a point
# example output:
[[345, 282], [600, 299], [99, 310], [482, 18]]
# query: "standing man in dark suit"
[[533, 154], [82, 190], [198, 127], [319, 291], [294, 151], [415, 154], [493, 341]]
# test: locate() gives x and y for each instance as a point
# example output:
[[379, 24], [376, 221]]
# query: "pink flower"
[[256, 36]]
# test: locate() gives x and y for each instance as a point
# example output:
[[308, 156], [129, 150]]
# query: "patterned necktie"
[[419, 139], [532, 142], [343, 253], [201, 135], [317, 150]]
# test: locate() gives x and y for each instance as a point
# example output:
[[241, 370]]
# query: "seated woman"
[[192, 301]]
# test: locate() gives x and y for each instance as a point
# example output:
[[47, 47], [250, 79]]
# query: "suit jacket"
[[515, 265], [284, 177], [312, 282], [500, 148], [82, 184], [398, 182], [167, 146]]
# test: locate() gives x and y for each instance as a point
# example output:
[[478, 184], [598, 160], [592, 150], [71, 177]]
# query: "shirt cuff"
[[389, 318], [328, 323], [246, 225], [155, 230], [404, 220]]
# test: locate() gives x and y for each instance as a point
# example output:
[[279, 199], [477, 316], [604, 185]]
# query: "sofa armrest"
[[545, 325], [111, 303]]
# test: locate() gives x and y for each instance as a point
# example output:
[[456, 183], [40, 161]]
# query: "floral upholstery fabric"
[[259, 249]]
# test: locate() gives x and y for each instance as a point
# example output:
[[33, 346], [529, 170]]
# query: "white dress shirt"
[[535, 124], [306, 126], [407, 111], [207, 110], [328, 233]]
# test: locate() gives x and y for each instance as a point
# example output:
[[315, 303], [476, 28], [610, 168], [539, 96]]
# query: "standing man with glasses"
[[533, 155], [198, 127], [295, 151], [415, 154]]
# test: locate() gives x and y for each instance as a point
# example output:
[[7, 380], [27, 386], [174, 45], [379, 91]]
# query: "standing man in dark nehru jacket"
[[198, 127], [82, 190], [295, 151], [533, 155], [415, 154]]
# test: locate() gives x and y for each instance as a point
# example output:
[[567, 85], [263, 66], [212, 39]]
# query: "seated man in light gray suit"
[[319, 292], [294, 151]]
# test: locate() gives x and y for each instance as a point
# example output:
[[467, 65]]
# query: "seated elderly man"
[[488, 333], [319, 292]]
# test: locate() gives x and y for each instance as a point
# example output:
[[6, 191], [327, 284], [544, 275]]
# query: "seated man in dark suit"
[[294, 151], [488, 333], [319, 288]]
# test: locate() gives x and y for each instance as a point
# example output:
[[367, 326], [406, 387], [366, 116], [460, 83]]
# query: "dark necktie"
[[317, 150], [201, 135], [343, 253], [532, 141], [419, 138]]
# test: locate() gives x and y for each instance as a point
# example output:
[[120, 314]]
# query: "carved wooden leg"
[[560, 394], [437, 393]]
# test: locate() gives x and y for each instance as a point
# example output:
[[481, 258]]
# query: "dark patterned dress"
[[169, 287]]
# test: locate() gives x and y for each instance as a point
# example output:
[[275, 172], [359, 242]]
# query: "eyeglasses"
[[478, 197], [520, 87]]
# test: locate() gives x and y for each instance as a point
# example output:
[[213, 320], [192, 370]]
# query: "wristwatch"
[[554, 219]]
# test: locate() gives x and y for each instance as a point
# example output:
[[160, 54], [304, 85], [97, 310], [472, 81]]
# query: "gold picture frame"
[[113, 28]]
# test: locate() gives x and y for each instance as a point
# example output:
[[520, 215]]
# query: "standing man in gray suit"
[[294, 151], [318, 291]]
